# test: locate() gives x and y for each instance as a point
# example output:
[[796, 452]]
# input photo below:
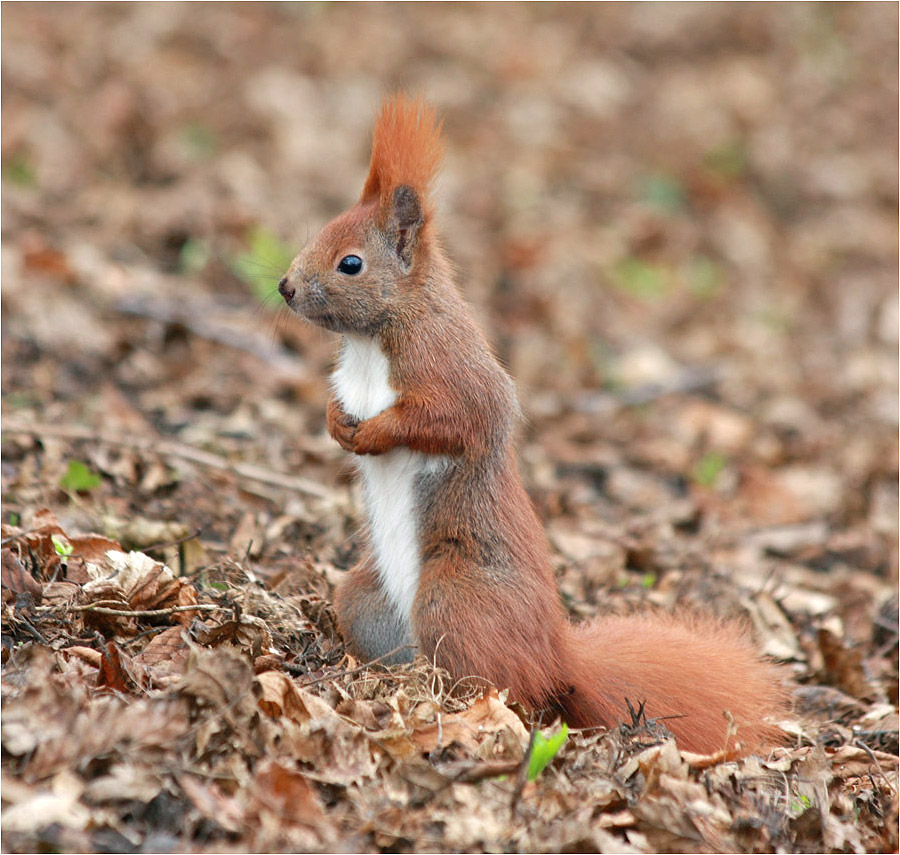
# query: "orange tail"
[[701, 672]]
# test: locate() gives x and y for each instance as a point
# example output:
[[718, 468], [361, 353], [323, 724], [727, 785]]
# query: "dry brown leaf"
[[851, 761], [128, 781], [60, 804], [107, 594], [487, 716], [281, 697], [372, 715], [61, 593], [773, 627], [337, 751], [38, 541], [287, 794], [208, 798], [118, 672], [164, 657], [17, 579], [843, 664], [221, 679], [86, 654], [185, 596]]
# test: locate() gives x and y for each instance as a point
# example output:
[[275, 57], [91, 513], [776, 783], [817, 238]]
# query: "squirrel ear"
[[406, 221]]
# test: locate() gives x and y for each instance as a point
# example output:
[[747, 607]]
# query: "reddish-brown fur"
[[486, 604], [407, 148]]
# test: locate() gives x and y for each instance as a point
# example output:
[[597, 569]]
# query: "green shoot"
[[708, 469], [544, 750], [20, 170], [729, 161], [641, 278], [704, 277], [62, 548], [199, 140], [79, 478], [662, 192]]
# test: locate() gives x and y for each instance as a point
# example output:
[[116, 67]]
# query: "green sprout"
[[704, 277], [544, 750], [20, 170], [728, 161], [708, 469], [662, 192], [641, 278], [199, 140], [801, 804], [79, 478], [62, 548]]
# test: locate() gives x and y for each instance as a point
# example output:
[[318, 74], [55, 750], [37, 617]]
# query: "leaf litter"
[[678, 225]]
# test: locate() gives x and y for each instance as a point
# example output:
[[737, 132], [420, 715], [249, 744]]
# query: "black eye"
[[350, 264]]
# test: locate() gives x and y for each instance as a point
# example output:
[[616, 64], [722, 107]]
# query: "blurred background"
[[678, 223]]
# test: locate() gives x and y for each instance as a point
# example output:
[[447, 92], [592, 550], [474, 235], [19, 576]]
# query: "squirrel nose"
[[286, 290]]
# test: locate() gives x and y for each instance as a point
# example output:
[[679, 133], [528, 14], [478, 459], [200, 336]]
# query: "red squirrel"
[[457, 564]]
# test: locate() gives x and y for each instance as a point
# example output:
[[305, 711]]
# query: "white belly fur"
[[361, 385]]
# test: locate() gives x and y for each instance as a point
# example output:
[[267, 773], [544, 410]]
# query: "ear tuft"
[[406, 150]]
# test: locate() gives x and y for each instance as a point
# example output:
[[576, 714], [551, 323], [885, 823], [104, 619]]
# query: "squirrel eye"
[[350, 264]]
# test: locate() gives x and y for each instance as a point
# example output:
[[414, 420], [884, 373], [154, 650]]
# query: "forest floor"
[[678, 225]]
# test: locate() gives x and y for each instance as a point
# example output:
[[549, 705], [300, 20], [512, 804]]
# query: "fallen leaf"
[[212, 803], [287, 794], [127, 781], [59, 805], [17, 579], [85, 654], [117, 671], [469, 728], [164, 657]]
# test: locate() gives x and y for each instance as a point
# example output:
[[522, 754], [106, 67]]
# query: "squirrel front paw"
[[341, 426], [372, 437]]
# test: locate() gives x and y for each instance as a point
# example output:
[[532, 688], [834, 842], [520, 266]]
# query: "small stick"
[[363, 667], [104, 610], [172, 448], [194, 318]]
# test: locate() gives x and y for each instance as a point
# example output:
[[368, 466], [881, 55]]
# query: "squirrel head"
[[368, 264]]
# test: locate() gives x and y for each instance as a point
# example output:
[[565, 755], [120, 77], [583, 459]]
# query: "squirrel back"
[[457, 564]]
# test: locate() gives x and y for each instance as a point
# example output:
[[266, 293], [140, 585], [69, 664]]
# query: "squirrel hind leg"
[[487, 635], [371, 625]]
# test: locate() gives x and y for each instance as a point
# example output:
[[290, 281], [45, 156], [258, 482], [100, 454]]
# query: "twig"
[[168, 544], [196, 320], [172, 448], [522, 773], [687, 381], [18, 536], [365, 666], [486, 769], [32, 629], [860, 744], [104, 610]]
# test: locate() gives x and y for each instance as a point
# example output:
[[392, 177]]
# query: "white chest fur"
[[389, 480]]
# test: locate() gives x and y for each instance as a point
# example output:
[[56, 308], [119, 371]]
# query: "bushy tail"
[[700, 674]]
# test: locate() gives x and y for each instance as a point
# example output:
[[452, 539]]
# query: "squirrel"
[[457, 564]]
